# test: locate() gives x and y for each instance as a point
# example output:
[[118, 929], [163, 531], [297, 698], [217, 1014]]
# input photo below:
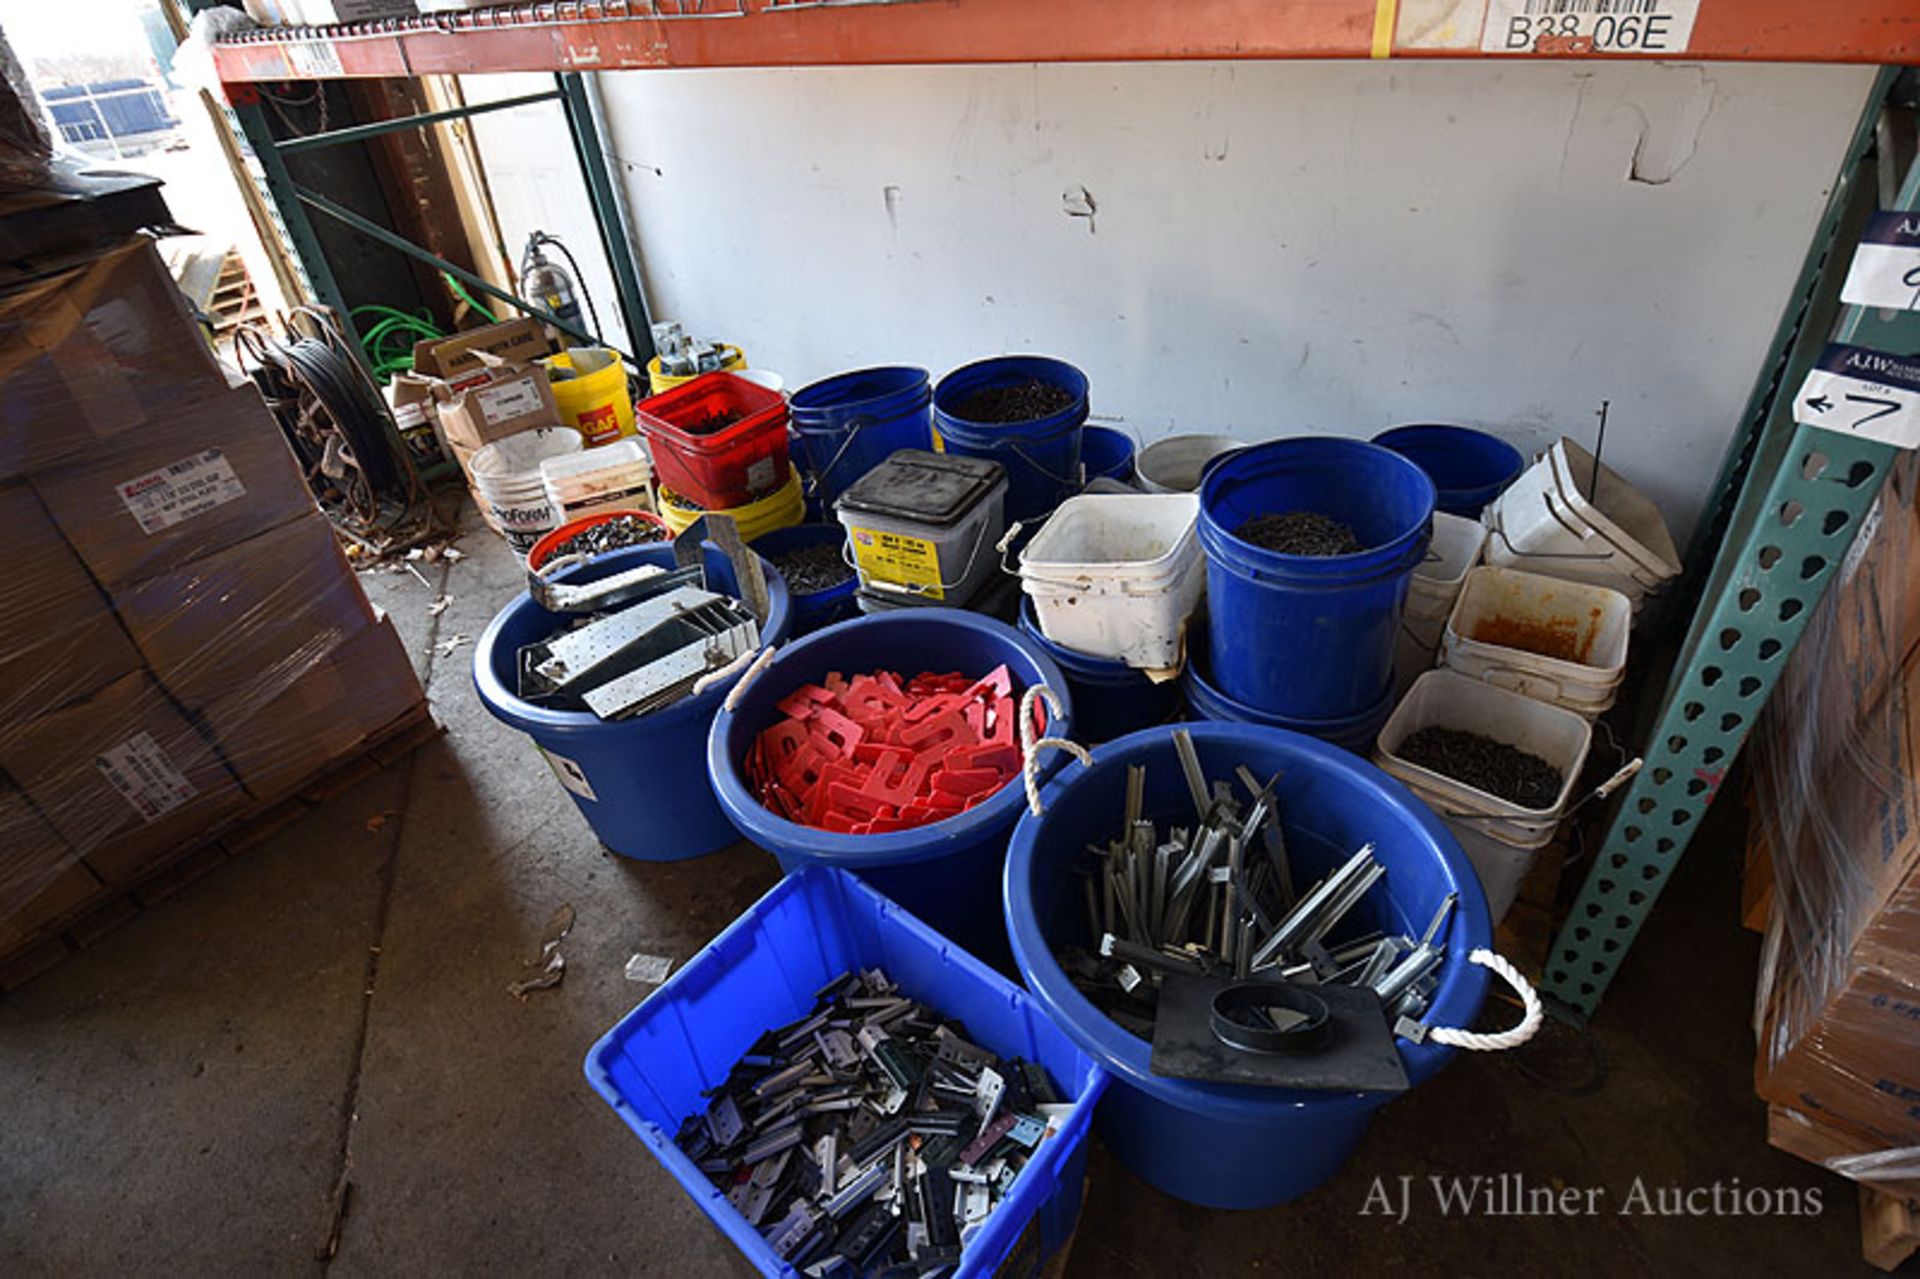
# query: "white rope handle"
[[1030, 749], [1503, 1039], [739, 690]]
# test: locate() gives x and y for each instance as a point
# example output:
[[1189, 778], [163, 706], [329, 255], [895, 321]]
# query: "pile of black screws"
[[1486, 764], [872, 1137], [1027, 401], [812, 569], [1300, 533]]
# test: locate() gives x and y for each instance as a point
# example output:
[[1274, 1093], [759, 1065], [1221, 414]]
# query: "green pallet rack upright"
[[1802, 494]]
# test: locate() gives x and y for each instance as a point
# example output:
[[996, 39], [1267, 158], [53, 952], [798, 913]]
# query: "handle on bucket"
[[1500, 1040], [853, 428], [1030, 749], [1006, 542], [734, 694]]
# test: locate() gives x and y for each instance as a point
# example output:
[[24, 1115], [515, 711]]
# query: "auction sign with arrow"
[[1870, 394]]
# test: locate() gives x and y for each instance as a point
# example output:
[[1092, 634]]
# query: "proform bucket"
[[1222, 1145], [947, 872], [641, 783], [1042, 456], [851, 422], [1300, 636]]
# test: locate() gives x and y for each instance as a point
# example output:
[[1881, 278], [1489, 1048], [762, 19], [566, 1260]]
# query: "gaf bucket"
[[641, 783], [1303, 636], [947, 872], [1227, 1145]]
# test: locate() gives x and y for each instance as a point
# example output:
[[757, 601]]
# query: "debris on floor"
[[446, 647], [549, 964], [649, 970]]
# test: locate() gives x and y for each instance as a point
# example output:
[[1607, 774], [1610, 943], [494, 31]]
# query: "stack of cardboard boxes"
[[1837, 805], [181, 641]]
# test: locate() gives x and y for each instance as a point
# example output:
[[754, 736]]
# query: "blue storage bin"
[[762, 972]]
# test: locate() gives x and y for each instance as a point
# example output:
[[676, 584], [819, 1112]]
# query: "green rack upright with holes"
[[1802, 495]]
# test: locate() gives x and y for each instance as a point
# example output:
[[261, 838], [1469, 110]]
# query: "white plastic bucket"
[[1504, 619], [1499, 837], [1173, 465], [1116, 575], [506, 477], [1454, 551], [1569, 517], [613, 477]]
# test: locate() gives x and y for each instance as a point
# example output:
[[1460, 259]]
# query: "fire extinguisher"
[[552, 288]]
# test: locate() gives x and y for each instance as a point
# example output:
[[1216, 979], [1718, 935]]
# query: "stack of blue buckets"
[[1306, 642]]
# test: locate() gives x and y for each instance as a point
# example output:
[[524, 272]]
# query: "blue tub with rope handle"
[[1226, 1145], [851, 422]]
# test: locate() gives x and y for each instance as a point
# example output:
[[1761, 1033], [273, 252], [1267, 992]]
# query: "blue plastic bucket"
[[1468, 468], [1356, 733], [1110, 699], [1311, 637], [1106, 454], [1042, 457], [657, 1065], [850, 423], [947, 872], [813, 610], [640, 783], [1225, 1145]]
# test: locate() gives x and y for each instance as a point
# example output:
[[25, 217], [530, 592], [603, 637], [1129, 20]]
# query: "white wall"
[[536, 185], [1274, 248]]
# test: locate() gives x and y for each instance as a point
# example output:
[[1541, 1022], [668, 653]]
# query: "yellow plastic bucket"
[[595, 402], [783, 509], [736, 360]]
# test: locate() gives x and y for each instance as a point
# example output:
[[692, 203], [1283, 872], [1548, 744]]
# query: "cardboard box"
[[250, 618], [1838, 1150], [90, 353], [81, 655], [45, 582], [492, 405], [458, 358], [1857, 1063], [71, 892], [280, 744], [36, 870], [183, 486], [122, 773]]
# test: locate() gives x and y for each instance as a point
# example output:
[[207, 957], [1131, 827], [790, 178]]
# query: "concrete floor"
[[190, 1094]]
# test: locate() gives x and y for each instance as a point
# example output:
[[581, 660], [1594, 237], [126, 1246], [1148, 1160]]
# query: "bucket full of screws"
[[1173, 901], [813, 560], [1311, 546], [832, 1078]]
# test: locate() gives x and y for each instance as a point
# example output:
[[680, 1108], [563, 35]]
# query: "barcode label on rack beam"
[[314, 59], [174, 494], [1865, 393], [1588, 26]]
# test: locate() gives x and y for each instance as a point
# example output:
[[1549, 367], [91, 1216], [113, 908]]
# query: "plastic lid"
[[914, 484]]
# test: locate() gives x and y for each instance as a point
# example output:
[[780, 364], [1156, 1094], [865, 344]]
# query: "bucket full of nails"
[[1261, 937]]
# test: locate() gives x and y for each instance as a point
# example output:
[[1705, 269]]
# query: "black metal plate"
[[1361, 1056]]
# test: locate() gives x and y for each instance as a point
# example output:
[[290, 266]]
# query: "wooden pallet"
[[1889, 1228], [115, 905]]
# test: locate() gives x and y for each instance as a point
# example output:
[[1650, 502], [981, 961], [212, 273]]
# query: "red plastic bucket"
[[543, 548], [740, 463]]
